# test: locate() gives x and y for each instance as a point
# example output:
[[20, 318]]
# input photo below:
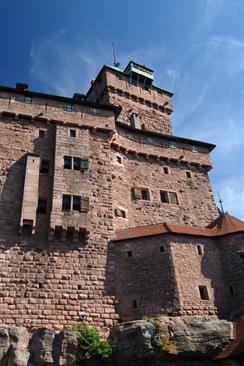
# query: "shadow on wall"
[[139, 275]]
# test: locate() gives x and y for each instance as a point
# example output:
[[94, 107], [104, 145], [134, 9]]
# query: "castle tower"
[[158, 177]]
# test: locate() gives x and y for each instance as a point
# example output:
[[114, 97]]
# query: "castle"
[[105, 215]]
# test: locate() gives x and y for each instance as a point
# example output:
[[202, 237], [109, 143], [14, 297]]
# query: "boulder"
[[41, 347], [4, 341], [168, 338]]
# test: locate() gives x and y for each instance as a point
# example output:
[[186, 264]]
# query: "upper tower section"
[[144, 105]]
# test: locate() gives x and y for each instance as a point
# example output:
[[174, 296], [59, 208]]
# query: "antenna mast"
[[116, 64], [221, 203]]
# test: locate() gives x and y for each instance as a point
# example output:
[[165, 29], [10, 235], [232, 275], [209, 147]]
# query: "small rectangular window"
[[66, 206], [67, 162], [95, 111], [42, 206], [194, 149], [135, 305], [242, 257], [188, 174], [166, 170], [162, 249], [231, 290], [68, 107], [44, 169], [199, 250], [150, 140], [118, 76], [76, 165], [119, 212], [203, 291], [129, 253], [119, 159], [41, 134], [72, 133], [76, 203], [172, 144], [28, 100]]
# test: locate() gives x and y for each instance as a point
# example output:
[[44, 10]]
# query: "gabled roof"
[[223, 225]]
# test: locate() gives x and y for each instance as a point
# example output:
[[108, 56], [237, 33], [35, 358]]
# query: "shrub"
[[91, 346]]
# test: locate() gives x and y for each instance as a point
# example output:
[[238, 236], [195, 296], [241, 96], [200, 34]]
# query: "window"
[[199, 250], [141, 194], [66, 206], [67, 162], [42, 206], [76, 203], [169, 197], [172, 145], [231, 290], [135, 305], [95, 111], [41, 134], [129, 253], [166, 170], [150, 140], [162, 250], [203, 293], [194, 149], [188, 174], [68, 107], [72, 133], [119, 212], [44, 166], [118, 76], [119, 159], [28, 100], [242, 257], [75, 163]]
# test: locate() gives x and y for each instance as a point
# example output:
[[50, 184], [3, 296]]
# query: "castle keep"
[[105, 214]]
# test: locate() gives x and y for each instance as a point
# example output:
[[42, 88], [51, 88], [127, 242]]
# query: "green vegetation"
[[164, 340], [91, 346]]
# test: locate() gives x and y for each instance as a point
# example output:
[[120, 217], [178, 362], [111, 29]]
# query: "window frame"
[[139, 196], [168, 199], [42, 209]]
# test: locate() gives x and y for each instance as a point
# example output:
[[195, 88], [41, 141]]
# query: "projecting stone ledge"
[[162, 341]]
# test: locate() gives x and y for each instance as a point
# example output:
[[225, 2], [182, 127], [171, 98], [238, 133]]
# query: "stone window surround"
[[72, 160], [82, 198], [121, 209], [167, 193], [146, 189], [203, 293]]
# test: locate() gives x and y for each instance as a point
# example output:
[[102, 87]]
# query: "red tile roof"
[[223, 225]]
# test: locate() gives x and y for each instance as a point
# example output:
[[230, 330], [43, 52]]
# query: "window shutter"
[[173, 198], [84, 204], [83, 164], [137, 193]]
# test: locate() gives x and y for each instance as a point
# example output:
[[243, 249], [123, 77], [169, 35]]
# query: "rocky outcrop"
[[161, 341], [171, 338]]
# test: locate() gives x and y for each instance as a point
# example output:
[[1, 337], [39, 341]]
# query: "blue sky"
[[196, 48]]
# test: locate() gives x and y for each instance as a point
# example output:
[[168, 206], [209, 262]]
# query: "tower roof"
[[226, 223]]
